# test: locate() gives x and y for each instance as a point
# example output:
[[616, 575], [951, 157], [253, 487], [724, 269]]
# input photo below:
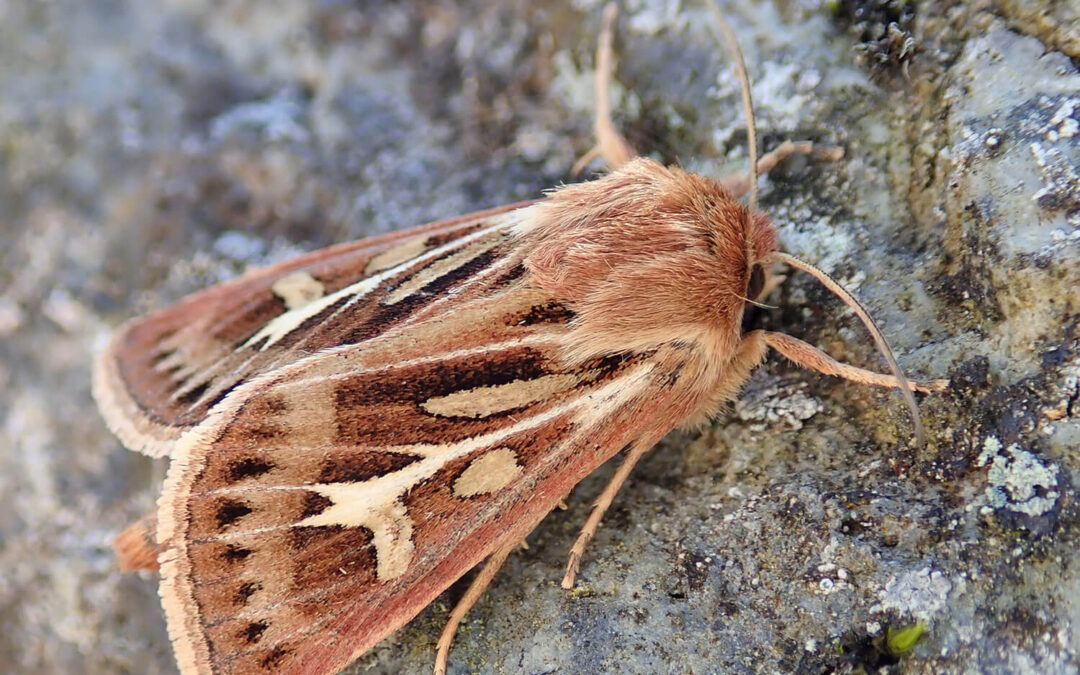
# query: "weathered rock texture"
[[150, 149]]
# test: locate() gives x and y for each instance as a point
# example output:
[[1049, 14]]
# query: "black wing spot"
[[249, 467], [253, 632], [314, 504], [274, 658], [234, 554], [231, 510], [246, 590], [191, 396]]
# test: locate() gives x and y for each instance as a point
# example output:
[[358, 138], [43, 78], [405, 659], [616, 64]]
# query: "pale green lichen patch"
[[768, 404], [1019, 481], [922, 594]]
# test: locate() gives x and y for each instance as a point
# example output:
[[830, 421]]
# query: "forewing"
[[323, 505], [163, 372]]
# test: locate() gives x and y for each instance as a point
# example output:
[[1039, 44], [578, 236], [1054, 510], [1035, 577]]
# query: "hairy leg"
[[476, 589], [603, 502]]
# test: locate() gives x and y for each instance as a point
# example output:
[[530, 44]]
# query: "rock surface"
[[151, 150]]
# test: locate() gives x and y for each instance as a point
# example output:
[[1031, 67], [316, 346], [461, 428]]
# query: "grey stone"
[[148, 150]]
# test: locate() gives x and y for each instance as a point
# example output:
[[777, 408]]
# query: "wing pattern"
[[163, 372], [382, 471], [346, 444]]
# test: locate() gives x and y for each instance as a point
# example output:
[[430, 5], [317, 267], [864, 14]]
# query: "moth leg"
[[476, 589], [585, 160], [610, 143], [136, 546], [739, 184], [809, 356], [637, 450]]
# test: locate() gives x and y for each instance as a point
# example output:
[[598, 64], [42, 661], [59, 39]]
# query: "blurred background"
[[150, 149]]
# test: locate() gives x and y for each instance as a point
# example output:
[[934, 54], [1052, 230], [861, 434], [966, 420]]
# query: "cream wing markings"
[[390, 542], [298, 289], [488, 473], [444, 260], [149, 382], [437, 266], [374, 504]]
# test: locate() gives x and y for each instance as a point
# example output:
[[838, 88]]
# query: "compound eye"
[[757, 282]]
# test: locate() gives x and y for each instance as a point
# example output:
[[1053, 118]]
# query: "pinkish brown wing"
[[163, 372], [324, 504]]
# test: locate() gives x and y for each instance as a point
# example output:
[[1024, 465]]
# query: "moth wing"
[[161, 373], [322, 506]]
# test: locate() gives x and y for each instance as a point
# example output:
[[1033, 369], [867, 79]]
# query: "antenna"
[[748, 104], [868, 321]]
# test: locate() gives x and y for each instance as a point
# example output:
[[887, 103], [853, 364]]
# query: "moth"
[[352, 431]]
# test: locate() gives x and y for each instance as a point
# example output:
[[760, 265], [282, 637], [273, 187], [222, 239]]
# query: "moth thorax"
[[644, 256]]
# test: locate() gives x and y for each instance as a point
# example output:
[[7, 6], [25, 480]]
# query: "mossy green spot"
[[903, 640]]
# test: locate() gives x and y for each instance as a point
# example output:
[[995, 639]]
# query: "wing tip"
[[123, 415]]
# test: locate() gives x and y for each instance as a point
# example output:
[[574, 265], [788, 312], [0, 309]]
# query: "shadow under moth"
[[352, 431]]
